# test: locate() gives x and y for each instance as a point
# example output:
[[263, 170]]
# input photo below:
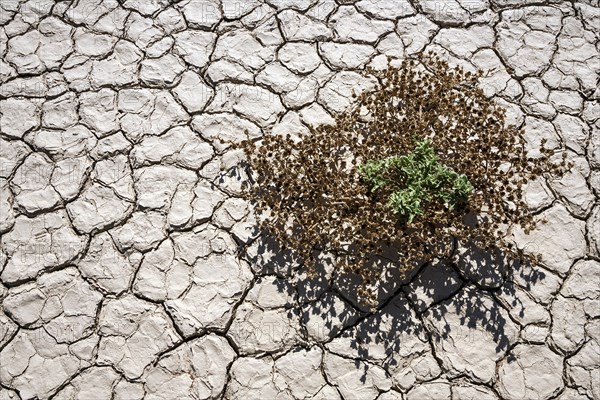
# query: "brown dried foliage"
[[312, 197]]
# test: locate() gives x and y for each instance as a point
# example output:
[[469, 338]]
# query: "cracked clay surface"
[[121, 220]]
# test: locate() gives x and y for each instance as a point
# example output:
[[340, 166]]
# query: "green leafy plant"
[[416, 179]]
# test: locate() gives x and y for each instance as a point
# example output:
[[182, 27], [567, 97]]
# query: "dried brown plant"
[[312, 198]]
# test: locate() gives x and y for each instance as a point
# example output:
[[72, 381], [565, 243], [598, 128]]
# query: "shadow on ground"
[[434, 306]]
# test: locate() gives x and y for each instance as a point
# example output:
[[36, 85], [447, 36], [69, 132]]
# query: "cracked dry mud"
[[120, 219]]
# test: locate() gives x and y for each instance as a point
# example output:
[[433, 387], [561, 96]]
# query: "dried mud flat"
[[120, 221]]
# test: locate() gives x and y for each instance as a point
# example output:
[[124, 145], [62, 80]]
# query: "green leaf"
[[418, 177]]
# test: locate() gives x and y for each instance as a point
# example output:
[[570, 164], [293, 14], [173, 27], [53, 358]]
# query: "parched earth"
[[121, 222]]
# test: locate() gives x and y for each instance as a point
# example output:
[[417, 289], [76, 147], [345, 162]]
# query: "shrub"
[[425, 158]]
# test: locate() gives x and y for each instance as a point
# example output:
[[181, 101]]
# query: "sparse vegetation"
[[423, 159]]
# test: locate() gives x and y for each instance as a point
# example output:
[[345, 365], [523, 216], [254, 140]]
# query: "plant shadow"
[[437, 310]]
